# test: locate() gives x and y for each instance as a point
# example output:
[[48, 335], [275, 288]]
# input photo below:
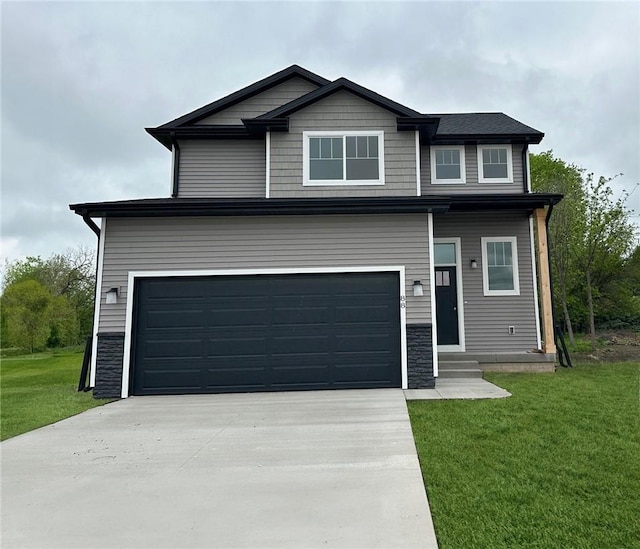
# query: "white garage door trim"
[[133, 275]]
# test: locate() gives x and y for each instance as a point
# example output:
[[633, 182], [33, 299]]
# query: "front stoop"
[[459, 369]]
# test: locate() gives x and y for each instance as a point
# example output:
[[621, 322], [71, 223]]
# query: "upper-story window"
[[495, 164], [447, 164], [343, 158]]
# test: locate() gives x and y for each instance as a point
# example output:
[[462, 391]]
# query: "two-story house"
[[321, 236]]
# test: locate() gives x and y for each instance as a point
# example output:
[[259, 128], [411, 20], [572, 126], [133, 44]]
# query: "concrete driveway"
[[312, 469]]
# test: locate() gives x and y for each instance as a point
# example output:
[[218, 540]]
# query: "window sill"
[[341, 183]]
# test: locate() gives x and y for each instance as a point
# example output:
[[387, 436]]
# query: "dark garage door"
[[266, 333]]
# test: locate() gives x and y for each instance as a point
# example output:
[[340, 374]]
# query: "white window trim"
[[432, 295], [461, 346], [343, 182], [463, 172], [482, 178], [485, 265], [134, 275]]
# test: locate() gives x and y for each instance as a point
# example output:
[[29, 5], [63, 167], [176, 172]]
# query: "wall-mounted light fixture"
[[417, 288], [474, 264], [112, 296]]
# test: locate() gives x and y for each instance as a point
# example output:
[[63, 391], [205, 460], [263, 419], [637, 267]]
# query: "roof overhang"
[[490, 138], [501, 202], [188, 207], [198, 207], [166, 136]]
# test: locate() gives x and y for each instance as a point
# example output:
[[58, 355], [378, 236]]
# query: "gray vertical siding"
[[261, 103], [487, 318], [222, 168], [472, 185], [343, 111], [180, 243]]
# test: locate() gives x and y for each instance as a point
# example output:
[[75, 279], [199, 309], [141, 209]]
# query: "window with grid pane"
[[325, 154], [343, 158], [500, 266], [495, 164], [447, 164]]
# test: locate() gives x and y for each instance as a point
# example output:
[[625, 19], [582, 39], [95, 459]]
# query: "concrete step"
[[459, 364], [459, 373]]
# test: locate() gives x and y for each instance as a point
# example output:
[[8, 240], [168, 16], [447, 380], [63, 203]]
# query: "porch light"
[[474, 264], [417, 288], [112, 296]]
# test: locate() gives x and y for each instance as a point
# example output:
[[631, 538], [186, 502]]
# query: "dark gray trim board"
[[176, 207], [247, 92]]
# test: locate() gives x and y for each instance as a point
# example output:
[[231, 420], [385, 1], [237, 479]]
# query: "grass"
[[555, 465], [40, 389]]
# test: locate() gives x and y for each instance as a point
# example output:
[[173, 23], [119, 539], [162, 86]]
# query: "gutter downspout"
[[525, 171], [91, 225], [88, 351], [562, 349], [176, 165]]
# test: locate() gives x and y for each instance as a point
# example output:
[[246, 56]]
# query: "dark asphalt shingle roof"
[[485, 123]]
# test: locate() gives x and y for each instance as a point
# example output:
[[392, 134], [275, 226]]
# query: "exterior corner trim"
[[432, 292], [418, 175], [96, 306]]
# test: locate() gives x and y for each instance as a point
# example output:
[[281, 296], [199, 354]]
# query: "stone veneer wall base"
[[420, 356], [109, 358]]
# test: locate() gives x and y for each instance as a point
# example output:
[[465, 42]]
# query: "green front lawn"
[[555, 465], [40, 389]]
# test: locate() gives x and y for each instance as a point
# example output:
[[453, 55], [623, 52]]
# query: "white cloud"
[[80, 81]]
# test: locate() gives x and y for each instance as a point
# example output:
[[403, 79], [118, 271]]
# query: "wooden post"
[[549, 343]]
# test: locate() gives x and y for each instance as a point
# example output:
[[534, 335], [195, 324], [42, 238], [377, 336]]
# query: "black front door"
[[447, 306]]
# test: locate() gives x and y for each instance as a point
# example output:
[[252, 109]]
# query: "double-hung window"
[[495, 164], [343, 158], [500, 265], [447, 164]]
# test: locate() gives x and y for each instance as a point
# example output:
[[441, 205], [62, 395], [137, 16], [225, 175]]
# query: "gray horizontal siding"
[[222, 169], [266, 242], [487, 318], [343, 111], [261, 103], [472, 183]]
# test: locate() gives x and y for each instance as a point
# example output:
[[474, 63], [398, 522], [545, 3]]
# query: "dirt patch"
[[613, 346]]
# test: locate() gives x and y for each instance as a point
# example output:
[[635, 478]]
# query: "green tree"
[[70, 277], [607, 240], [26, 306], [553, 175]]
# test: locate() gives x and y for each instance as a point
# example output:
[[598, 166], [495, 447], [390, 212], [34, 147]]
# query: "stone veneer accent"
[[420, 356], [109, 357]]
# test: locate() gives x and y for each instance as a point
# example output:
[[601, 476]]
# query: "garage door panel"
[[227, 377], [236, 346], [172, 318], [174, 348], [373, 372], [266, 332], [311, 343], [300, 316], [173, 379], [167, 289]]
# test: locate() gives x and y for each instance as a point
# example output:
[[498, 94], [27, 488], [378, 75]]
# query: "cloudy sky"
[[81, 80]]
